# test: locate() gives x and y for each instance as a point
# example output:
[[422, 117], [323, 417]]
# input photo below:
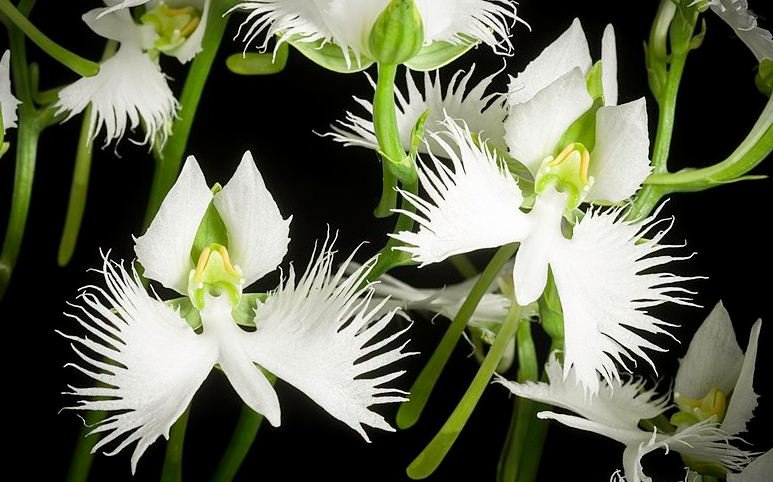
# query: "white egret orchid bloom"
[[8, 102], [616, 412], [736, 13], [316, 332], [129, 89], [348, 23], [604, 272]]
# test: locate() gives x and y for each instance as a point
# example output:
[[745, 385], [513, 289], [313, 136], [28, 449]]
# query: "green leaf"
[[257, 63], [439, 54], [211, 231], [330, 56], [764, 79]]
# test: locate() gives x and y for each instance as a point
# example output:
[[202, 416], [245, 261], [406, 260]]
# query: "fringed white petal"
[[736, 13], [620, 161], [758, 470], [144, 359], [713, 359], [257, 233], [130, 90], [474, 206], [607, 276], [535, 127], [483, 112], [743, 401], [619, 405], [567, 52], [609, 65], [165, 248], [8, 102], [318, 334]]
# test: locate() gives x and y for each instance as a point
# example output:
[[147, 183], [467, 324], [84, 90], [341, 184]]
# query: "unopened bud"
[[398, 34]]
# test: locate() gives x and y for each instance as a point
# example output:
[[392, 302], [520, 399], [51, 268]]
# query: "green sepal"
[[398, 33], [211, 230], [583, 130], [330, 56], [595, 82], [187, 311], [550, 311], [439, 54], [253, 63], [764, 78]]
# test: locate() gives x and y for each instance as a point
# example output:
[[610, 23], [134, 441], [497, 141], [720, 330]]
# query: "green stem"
[[432, 455], [78, 193], [464, 266], [169, 160], [386, 129], [80, 464], [27, 139], [388, 199], [241, 441], [74, 62], [173, 459], [410, 411]]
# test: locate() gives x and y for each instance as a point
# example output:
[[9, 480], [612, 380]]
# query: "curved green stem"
[[386, 128], [80, 463], [169, 159], [74, 62], [173, 460], [431, 457], [410, 411]]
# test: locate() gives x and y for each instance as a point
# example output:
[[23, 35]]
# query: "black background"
[[320, 183]]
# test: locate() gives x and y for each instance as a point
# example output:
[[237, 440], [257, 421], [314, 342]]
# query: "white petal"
[[567, 52], [619, 405], [129, 90], [115, 5], [247, 379], [757, 471], [192, 45], [743, 401], [257, 234], [474, 206], [145, 360], [319, 335], [165, 248], [620, 161], [609, 65], [713, 359], [534, 127], [8, 102], [743, 22], [484, 113], [607, 276]]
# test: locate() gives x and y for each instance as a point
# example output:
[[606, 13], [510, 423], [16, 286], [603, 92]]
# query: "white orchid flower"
[[316, 332], [616, 412], [604, 271], [347, 23], [129, 89], [736, 13], [8, 102], [483, 111]]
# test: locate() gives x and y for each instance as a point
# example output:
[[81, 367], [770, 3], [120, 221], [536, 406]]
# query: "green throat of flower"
[[172, 25], [567, 172], [214, 274]]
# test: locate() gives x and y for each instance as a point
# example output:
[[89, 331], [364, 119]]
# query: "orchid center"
[[215, 274], [172, 25], [567, 172], [692, 411]]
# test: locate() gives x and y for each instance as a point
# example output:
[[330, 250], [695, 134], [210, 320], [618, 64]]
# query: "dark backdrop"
[[321, 183]]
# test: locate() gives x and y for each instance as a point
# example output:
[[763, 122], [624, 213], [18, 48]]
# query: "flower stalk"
[[172, 471]]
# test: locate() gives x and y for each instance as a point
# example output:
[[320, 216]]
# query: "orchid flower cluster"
[[555, 174]]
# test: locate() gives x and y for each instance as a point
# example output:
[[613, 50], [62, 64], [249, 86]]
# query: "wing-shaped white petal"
[[713, 359], [758, 470], [130, 90], [257, 233], [483, 112], [165, 248], [620, 405], [567, 52], [736, 13], [620, 161], [145, 359], [609, 65], [534, 127], [474, 206], [318, 334], [114, 23], [8, 102], [743, 401], [607, 276]]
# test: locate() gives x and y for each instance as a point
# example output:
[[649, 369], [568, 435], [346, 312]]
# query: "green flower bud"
[[398, 34]]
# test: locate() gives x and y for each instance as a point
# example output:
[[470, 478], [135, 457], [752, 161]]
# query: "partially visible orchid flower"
[[315, 332], [616, 412], [604, 270], [758, 470], [8, 102], [346, 24], [742, 20]]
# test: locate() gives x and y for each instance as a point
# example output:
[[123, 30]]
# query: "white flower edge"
[[8, 103]]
